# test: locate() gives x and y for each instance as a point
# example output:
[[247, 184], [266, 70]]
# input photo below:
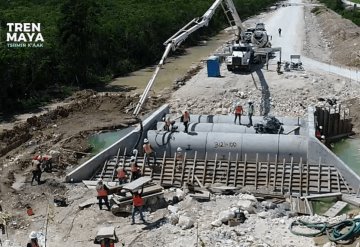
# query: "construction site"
[[256, 143]]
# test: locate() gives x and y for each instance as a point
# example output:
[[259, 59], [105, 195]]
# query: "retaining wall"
[[88, 169]]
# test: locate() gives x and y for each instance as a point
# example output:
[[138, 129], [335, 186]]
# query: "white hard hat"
[[320, 127], [179, 149], [33, 235], [249, 101], [146, 140], [322, 137], [132, 158]]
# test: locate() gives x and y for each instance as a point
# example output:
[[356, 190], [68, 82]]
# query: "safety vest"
[[238, 110], [121, 174], [138, 201], [147, 148], [102, 191], [110, 243], [186, 117], [34, 244]]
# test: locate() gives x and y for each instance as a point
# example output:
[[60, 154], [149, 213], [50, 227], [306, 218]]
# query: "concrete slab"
[[88, 202], [352, 199], [105, 232], [335, 209], [136, 184]]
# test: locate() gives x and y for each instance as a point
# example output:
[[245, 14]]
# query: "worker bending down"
[[121, 175], [138, 203]]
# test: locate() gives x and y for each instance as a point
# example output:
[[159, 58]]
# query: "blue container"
[[213, 66]]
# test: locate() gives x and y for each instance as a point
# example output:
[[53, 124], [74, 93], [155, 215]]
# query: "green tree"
[[77, 32]]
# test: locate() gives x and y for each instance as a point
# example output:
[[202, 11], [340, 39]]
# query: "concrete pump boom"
[[174, 41]]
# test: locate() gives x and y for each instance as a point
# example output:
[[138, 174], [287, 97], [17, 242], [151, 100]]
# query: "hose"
[[335, 232]]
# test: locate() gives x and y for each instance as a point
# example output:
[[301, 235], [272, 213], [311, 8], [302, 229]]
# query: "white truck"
[[241, 58]]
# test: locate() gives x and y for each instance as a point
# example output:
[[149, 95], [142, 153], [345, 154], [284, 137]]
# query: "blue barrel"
[[213, 66]]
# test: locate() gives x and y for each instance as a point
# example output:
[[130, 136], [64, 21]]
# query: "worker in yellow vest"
[[102, 194], [148, 151]]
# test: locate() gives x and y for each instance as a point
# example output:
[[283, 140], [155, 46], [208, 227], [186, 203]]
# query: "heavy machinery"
[[242, 56], [174, 41]]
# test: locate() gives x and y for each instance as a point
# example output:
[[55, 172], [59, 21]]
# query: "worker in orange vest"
[[148, 151], [135, 170], [102, 194], [33, 240], [238, 112], [122, 175], [185, 118], [138, 203]]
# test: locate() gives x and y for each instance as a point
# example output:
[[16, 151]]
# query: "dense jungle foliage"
[[89, 42], [351, 14]]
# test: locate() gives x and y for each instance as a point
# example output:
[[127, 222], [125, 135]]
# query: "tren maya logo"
[[24, 35]]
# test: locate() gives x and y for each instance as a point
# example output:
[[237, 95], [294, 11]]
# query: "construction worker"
[[33, 240], [179, 158], [168, 124], [121, 175], [36, 172], [148, 151], [279, 30], [102, 194], [250, 112], [238, 112], [135, 170], [185, 118], [138, 203]]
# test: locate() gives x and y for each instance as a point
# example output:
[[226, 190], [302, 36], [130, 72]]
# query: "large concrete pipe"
[[225, 128], [210, 127], [284, 146], [230, 119]]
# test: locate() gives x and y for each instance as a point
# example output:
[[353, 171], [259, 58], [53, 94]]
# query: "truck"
[[241, 58]]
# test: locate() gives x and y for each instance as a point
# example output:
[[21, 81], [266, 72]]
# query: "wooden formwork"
[[285, 177]]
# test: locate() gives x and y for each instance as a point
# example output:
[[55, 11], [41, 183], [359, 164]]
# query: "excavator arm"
[[174, 41]]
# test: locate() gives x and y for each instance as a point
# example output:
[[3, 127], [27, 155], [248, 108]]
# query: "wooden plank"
[[163, 167], [338, 181], [244, 171], [329, 178], [335, 209], [236, 168], [198, 181], [173, 169], [137, 183], [205, 167], [214, 172], [342, 178], [275, 172], [301, 175], [201, 196], [183, 170], [267, 169], [283, 177], [291, 173], [334, 194], [256, 171], [307, 178], [194, 167], [319, 175], [352, 199], [309, 206], [228, 169]]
